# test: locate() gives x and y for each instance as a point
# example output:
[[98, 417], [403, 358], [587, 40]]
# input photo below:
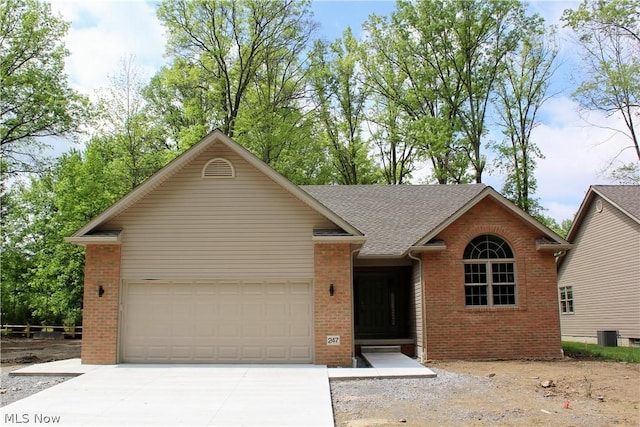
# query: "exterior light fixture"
[[100, 291], [331, 289]]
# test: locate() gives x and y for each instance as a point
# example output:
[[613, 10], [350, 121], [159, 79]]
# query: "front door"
[[381, 304]]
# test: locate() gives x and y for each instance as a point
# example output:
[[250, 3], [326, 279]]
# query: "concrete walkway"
[[384, 364]]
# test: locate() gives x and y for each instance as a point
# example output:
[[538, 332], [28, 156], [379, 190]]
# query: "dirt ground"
[[501, 393], [509, 393], [21, 351]]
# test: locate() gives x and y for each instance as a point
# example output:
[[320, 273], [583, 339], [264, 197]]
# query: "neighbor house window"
[[489, 272], [566, 300]]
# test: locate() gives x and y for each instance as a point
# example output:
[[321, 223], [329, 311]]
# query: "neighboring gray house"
[[599, 279]]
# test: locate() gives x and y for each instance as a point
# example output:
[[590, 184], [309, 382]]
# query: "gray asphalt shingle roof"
[[627, 197], [394, 217]]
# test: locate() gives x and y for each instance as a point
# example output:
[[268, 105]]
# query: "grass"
[[581, 350]]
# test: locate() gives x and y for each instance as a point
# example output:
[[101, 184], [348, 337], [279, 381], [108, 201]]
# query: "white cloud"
[[576, 152], [104, 32]]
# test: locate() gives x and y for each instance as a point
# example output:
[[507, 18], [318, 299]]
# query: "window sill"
[[494, 308]]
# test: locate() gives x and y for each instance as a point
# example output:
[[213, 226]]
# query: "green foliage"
[[35, 98], [581, 350], [393, 111], [240, 66], [627, 174], [42, 275], [127, 135], [609, 33], [561, 229], [340, 100], [521, 91], [436, 64]]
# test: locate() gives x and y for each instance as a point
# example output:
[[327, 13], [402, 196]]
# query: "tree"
[[340, 102], [520, 92], [392, 111], [609, 34], [36, 100], [439, 62], [240, 66], [41, 273], [470, 40], [228, 42], [126, 131], [181, 104]]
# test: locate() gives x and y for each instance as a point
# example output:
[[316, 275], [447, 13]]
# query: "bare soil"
[[504, 393], [21, 351]]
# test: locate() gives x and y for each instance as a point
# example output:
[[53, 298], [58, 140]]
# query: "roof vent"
[[218, 168]]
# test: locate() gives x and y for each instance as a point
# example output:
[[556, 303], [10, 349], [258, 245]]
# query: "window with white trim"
[[566, 300], [489, 273]]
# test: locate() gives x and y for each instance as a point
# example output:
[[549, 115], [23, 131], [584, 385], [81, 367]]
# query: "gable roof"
[[399, 218], [87, 235], [625, 198]]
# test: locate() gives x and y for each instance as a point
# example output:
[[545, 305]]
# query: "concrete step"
[[380, 349]]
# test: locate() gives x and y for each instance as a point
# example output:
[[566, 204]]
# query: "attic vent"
[[218, 168]]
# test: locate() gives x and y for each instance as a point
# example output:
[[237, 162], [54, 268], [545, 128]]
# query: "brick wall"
[[333, 314], [530, 330], [100, 314]]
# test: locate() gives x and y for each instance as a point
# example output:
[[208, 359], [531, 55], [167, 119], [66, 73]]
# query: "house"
[[599, 280], [219, 259]]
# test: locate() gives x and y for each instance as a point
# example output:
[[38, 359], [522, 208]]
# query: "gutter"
[[354, 361], [423, 304]]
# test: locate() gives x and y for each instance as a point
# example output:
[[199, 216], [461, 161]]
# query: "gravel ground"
[[14, 388], [361, 398], [348, 395]]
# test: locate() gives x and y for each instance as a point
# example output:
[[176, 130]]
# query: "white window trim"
[[489, 284], [572, 299]]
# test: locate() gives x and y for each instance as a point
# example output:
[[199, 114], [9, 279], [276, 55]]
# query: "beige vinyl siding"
[[416, 306], [206, 228], [604, 271]]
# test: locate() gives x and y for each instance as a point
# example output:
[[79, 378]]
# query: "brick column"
[[100, 313], [333, 314]]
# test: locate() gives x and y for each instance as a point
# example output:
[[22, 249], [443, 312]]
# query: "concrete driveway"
[[172, 395]]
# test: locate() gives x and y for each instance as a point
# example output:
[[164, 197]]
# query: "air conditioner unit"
[[608, 338]]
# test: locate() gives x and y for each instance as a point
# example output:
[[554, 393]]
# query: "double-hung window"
[[566, 300], [489, 273]]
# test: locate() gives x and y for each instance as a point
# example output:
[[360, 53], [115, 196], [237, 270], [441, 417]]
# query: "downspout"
[[354, 361], [423, 305]]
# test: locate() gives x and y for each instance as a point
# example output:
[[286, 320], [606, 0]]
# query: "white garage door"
[[221, 322]]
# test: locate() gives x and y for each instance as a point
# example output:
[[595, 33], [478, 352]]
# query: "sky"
[[577, 146]]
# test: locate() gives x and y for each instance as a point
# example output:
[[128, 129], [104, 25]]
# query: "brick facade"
[[100, 319], [333, 314], [529, 330]]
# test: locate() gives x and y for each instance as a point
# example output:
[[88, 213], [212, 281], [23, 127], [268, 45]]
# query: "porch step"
[[380, 349]]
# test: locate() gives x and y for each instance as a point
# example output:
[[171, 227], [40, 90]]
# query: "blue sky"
[[105, 31]]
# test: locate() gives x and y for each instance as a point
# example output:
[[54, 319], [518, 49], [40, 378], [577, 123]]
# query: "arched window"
[[489, 272]]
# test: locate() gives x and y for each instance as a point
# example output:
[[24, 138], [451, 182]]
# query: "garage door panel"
[[230, 310], [277, 330], [299, 353], [252, 331], [221, 322], [229, 331]]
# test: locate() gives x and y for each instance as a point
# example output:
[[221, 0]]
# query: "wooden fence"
[[41, 331]]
